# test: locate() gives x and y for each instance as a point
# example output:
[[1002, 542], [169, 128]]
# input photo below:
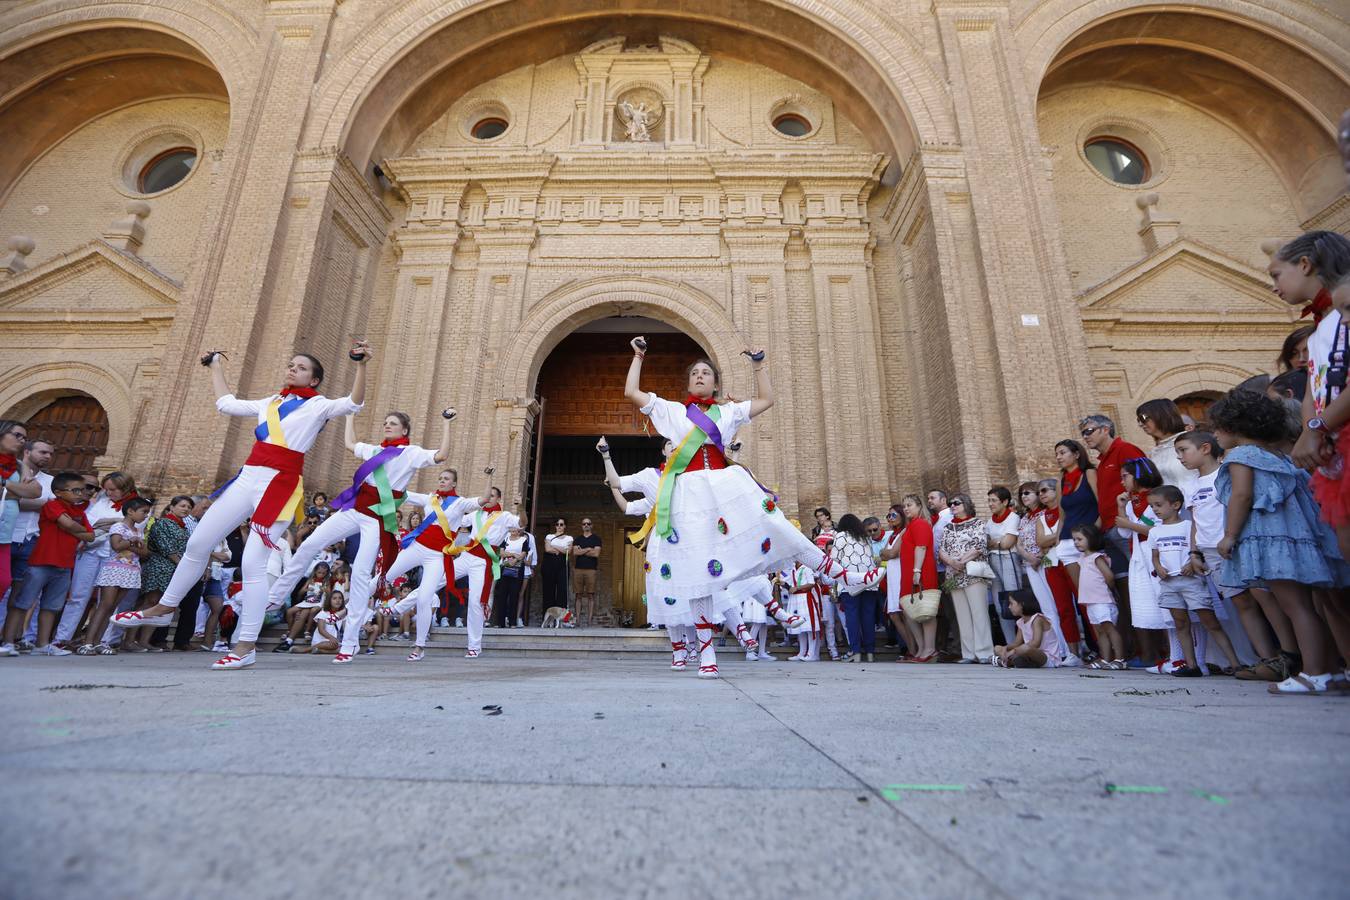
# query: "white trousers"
[[828, 614], [1041, 589], [971, 604], [432, 565], [87, 567], [230, 510], [475, 568], [337, 527]]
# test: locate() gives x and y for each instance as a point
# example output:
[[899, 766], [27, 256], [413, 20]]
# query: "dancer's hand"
[[735, 447], [361, 352], [603, 446], [213, 358], [756, 356], [449, 413], [639, 345]]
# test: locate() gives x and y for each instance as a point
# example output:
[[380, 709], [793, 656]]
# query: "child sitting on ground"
[[1183, 591], [1036, 645], [1096, 595], [327, 625]]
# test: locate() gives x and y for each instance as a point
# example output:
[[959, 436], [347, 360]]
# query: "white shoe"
[[764, 655], [135, 618], [50, 650], [1166, 667], [230, 661], [520, 623], [751, 656], [471, 654], [708, 671], [797, 658], [459, 623], [1071, 662], [8, 650], [653, 627], [445, 623]]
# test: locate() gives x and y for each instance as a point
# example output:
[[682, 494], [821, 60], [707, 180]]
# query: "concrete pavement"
[[150, 776]]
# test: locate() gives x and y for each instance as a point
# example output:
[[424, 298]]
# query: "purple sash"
[[347, 499], [705, 424]]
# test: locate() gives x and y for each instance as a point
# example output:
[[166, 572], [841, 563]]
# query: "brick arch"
[[1191, 378], [562, 312], [223, 35], [30, 388], [878, 44], [1045, 31]]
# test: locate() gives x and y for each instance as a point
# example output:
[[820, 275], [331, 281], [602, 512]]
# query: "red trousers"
[[1061, 586]]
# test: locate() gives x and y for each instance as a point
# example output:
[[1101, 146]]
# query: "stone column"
[[1019, 318], [229, 292]]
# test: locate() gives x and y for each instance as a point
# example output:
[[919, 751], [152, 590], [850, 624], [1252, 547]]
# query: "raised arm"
[[443, 451], [349, 432], [358, 394], [763, 389], [215, 361], [631, 390], [611, 474]]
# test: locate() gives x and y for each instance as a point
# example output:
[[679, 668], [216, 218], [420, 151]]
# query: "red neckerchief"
[[1070, 481], [493, 507], [445, 494], [933, 519], [395, 442], [1319, 307], [999, 517], [958, 520], [303, 392], [74, 511], [129, 495], [9, 464], [1139, 502], [172, 518], [704, 402], [1051, 516]]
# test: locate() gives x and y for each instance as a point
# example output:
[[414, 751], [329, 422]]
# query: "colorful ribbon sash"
[[437, 518], [659, 517], [480, 541], [283, 498], [386, 510]]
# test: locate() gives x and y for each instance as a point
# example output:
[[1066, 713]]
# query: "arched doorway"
[[77, 427], [1196, 405], [580, 389]]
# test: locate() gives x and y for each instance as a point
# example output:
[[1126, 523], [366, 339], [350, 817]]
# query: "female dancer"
[[431, 547], [714, 524], [480, 535], [268, 489], [369, 508]]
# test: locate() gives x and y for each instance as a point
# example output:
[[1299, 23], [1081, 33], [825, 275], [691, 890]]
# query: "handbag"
[[1020, 590], [921, 606], [978, 568]]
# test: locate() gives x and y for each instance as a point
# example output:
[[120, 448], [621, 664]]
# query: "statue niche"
[[639, 114]]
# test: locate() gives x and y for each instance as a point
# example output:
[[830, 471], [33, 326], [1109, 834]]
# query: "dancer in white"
[[368, 508], [714, 524], [268, 490], [431, 547], [480, 535]]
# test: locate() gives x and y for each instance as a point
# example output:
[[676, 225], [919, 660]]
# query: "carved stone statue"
[[638, 119]]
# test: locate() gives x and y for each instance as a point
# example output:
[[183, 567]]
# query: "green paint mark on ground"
[[892, 791], [1212, 798], [51, 720], [56, 732], [1134, 789]]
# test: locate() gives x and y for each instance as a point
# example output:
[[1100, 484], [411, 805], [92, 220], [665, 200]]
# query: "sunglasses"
[[891, 515], [585, 524], [1045, 491], [954, 503], [1088, 432]]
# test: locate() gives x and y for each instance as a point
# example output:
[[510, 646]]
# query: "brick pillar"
[[1018, 333], [230, 289]]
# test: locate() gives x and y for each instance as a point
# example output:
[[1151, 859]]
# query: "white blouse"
[[401, 468], [673, 423], [301, 428]]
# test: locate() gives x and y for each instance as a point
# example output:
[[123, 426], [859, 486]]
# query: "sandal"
[[105, 650], [86, 650], [1298, 685]]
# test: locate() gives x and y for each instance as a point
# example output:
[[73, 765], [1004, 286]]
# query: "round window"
[[166, 170], [487, 129], [1121, 162], [792, 125]]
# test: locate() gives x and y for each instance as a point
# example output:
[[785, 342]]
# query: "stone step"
[[561, 643]]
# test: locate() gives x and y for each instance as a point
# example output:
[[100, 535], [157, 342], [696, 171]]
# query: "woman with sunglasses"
[[1161, 420], [557, 549], [17, 482], [1030, 555]]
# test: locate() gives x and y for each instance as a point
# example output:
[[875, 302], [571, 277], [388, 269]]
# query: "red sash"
[[368, 496], [707, 457], [290, 465]]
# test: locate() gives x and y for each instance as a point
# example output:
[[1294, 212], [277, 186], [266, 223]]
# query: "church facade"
[[957, 226]]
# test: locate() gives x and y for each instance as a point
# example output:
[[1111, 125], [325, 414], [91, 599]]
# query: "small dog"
[[560, 617]]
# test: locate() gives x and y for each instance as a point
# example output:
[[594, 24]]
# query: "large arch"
[[1281, 88], [58, 72], [359, 101], [567, 309]]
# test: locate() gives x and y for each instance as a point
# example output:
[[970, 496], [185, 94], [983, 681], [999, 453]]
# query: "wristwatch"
[[1316, 423]]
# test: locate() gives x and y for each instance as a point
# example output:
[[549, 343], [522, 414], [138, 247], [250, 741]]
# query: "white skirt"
[[1144, 609], [725, 529]]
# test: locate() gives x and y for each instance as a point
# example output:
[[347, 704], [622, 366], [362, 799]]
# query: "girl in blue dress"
[[1274, 536]]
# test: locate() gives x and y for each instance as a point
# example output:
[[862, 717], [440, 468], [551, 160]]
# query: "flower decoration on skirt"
[[769, 505], [665, 570], [673, 537], [646, 567], [714, 568], [765, 547], [671, 601], [722, 526]]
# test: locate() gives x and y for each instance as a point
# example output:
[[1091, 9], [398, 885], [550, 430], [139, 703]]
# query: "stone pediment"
[[1186, 282], [90, 283]]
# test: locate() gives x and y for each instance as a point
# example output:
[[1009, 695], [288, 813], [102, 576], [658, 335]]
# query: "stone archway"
[[30, 390]]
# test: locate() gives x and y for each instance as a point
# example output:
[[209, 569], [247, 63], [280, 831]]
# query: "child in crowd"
[[300, 617], [1096, 595], [62, 527], [1035, 645], [1183, 590], [1133, 516], [1273, 532], [327, 625], [803, 599], [120, 574]]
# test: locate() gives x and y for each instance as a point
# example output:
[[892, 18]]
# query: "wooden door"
[[77, 427], [634, 580]]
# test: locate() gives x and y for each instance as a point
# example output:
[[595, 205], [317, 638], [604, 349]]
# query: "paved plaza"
[[152, 777]]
